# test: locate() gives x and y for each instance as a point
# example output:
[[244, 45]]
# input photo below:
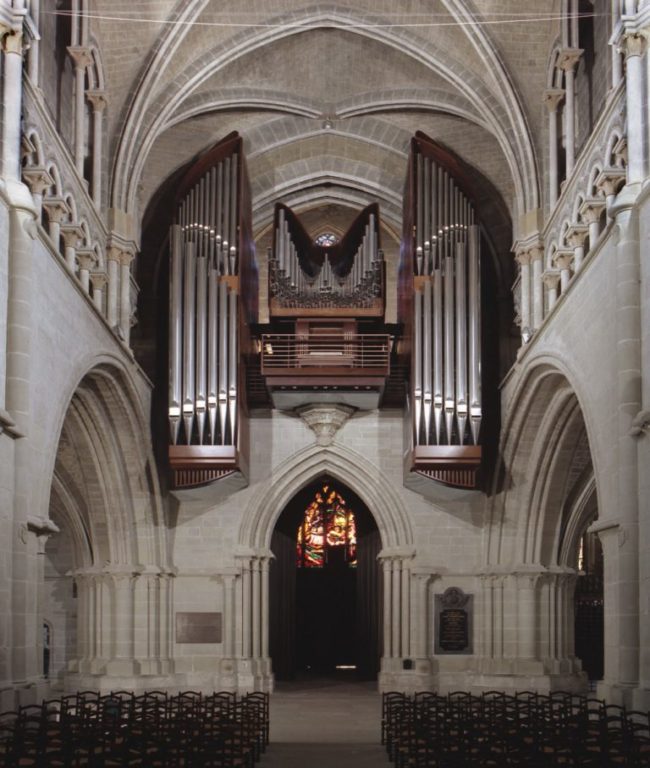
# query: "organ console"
[[439, 304], [213, 300]]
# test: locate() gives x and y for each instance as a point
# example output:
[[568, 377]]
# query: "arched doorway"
[[325, 585], [589, 607]]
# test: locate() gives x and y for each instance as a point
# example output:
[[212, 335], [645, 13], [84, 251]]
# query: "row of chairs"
[[495, 729], [152, 730]]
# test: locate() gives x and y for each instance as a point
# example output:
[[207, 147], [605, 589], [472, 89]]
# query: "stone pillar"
[[575, 237], [562, 260], [38, 180], [634, 46], [57, 212], [98, 281], [567, 61], [12, 57], [125, 294], [590, 211], [82, 58], [537, 258], [121, 584], [617, 64], [523, 259], [551, 280], [113, 258], [387, 571], [72, 238], [87, 259], [552, 99], [98, 100]]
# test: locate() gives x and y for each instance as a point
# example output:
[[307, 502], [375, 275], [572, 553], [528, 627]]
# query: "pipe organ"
[[212, 299], [441, 311], [305, 278]]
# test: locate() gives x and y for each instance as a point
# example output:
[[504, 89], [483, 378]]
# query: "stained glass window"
[[328, 523], [326, 239]]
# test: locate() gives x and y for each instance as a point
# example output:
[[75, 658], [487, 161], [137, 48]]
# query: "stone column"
[[98, 100], [527, 615], [125, 294], [113, 257], [87, 259], [537, 259], [82, 58], [72, 237], [34, 46], [387, 571], [98, 281], [608, 182], [590, 211], [121, 623], [551, 280], [397, 613], [617, 64], [523, 259], [552, 99], [12, 56], [38, 180], [567, 61], [57, 212], [634, 47], [575, 237], [562, 260]]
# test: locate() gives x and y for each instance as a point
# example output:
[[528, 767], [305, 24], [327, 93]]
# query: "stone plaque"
[[198, 627], [454, 620]]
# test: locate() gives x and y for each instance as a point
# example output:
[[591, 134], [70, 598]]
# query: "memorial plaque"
[[198, 627], [454, 619]]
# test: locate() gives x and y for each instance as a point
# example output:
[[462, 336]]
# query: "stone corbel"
[[8, 425], [325, 420], [42, 527]]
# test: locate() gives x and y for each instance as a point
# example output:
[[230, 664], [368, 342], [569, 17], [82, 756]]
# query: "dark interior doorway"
[[589, 607], [325, 617]]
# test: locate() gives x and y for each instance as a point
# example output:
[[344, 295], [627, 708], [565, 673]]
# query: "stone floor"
[[325, 723]]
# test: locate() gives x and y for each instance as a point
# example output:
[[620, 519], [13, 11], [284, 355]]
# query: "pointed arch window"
[[328, 529]]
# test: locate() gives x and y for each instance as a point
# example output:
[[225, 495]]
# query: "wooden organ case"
[[439, 307], [326, 305], [213, 301]]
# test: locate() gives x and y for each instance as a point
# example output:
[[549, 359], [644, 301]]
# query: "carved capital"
[[98, 280], [522, 257], [81, 55], [38, 179], [551, 279], [57, 209], [591, 209], [568, 58], [126, 257], [633, 44], [325, 420], [562, 258], [576, 235], [72, 235], [86, 258], [12, 42], [553, 98], [98, 99], [610, 180]]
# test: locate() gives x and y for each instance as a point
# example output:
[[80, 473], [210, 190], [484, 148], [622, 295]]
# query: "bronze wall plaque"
[[454, 619], [198, 627]]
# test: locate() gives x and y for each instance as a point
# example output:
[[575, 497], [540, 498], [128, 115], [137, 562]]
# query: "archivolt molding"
[[503, 114], [342, 464]]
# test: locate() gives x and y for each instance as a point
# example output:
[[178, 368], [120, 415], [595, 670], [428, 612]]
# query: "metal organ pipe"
[[188, 340], [175, 332], [474, 332], [417, 363], [213, 351], [232, 364], [201, 343], [437, 353], [232, 230], [427, 342], [223, 358]]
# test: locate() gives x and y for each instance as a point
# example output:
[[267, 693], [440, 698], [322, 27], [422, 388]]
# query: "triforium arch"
[[250, 585], [536, 521], [106, 501]]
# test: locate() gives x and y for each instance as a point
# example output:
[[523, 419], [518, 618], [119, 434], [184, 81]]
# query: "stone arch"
[[341, 464]]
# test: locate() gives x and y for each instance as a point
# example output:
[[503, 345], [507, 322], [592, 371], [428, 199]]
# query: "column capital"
[[98, 99], [620, 151], [38, 178], [126, 257], [633, 44], [552, 98], [610, 180], [57, 208], [562, 258], [86, 258], [551, 278], [12, 41], [522, 258], [81, 55], [568, 58], [576, 235], [72, 235], [98, 280], [591, 209]]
